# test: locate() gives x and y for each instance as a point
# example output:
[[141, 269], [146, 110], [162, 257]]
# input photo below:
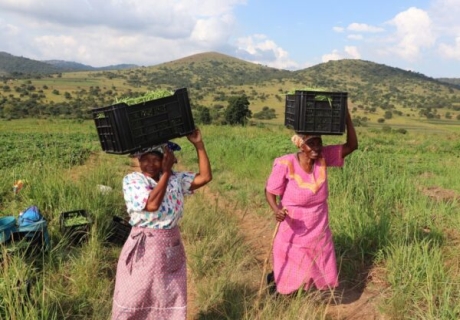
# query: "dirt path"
[[348, 303]]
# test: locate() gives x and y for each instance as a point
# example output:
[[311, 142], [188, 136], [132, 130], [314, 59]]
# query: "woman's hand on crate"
[[195, 137]]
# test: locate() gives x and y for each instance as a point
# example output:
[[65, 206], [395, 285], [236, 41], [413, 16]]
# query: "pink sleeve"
[[277, 180], [333, 155]]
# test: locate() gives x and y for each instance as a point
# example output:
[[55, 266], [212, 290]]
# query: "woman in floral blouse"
[[151, 278]]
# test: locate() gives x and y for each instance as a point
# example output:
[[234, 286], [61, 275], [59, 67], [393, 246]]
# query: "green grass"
[[381, 217]]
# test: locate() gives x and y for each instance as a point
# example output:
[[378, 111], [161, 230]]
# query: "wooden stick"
[[261, 286]]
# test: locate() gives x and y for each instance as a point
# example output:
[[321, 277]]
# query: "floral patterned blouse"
[[136, 189]]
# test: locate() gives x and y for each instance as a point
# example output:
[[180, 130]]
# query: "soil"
[[440, 194]]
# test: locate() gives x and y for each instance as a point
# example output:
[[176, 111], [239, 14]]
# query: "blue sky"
[[418, 35]]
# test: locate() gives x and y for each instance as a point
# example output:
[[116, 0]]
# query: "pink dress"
[[303, 250]]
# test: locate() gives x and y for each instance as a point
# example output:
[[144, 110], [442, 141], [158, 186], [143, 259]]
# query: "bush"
[[266, 114], [386, 129], [202, 115], [360, 121], [388, 115]]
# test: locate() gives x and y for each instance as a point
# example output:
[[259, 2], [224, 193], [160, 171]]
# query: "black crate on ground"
[[123, 129], [119, 230], [316, 112], [75, 226], [28, 242]]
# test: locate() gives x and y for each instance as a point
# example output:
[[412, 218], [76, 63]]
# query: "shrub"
[[386, 129], [266, 114]]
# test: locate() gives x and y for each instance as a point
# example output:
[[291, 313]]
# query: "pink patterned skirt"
[[151, 281]]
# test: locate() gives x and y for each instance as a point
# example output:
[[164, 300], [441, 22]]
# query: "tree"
[[388, 114], [237, 111], [203, 115]]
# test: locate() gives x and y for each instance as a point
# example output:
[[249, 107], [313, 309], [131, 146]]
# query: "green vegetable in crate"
[[75, 221], [150, 95], [318, 97]]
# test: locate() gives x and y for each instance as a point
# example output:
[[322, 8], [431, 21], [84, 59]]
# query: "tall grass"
[[385, 226]]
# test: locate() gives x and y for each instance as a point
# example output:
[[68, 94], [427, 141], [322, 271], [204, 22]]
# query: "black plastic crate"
[[28, 242], [119, 230], [75, 226], [123, 129], [316, 112]]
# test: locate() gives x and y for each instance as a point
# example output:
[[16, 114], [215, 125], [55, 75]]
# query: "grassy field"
[[393, 214]]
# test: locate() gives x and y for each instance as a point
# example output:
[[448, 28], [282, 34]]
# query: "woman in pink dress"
[[297, 192]]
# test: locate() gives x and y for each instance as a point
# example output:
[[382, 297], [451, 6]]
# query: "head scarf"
[[157, 148], [299, 139]]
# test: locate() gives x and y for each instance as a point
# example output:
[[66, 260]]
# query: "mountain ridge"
[[10, 65], [374, 90], [76, 66]]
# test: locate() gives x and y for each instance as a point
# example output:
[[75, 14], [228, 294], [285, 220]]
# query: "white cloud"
[[362, 27], [352, 52], [8, 29], [355, 37], [116, 31], [55, 41], [338, 29], [411, 35], [334, 55], [349, 52], [445, 15], [260, 49], [212, 31], [450, 51], [414, 31]]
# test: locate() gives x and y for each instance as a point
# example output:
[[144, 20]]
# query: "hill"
[[75, 66], [455, 81], [211, 69], [377, 93], [378, 85], [14, 66]]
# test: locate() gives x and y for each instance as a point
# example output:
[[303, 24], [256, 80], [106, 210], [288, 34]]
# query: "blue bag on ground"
[[30, 215], [31, 221]]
